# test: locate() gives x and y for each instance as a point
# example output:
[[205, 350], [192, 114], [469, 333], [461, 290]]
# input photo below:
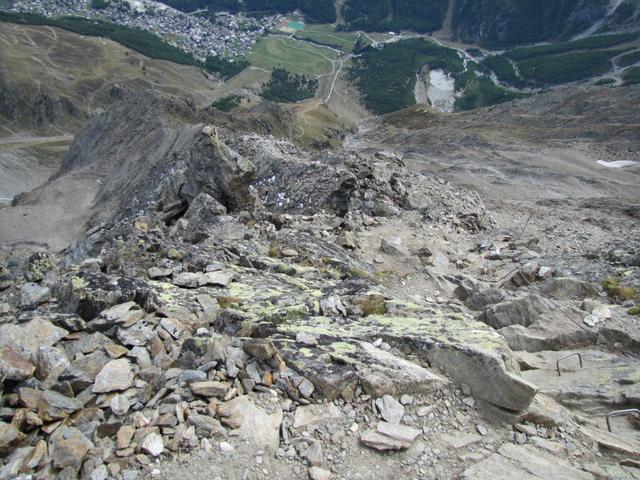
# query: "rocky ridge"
[[226, 303]]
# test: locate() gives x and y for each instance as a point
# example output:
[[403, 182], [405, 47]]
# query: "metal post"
[[568, 356], [617, 413]]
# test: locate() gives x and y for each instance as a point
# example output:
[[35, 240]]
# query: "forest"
[[386, 76], [287, 87], [224, 67], [382, 15]]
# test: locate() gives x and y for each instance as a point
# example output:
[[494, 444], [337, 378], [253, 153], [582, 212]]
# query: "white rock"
[[153, 445], [317, 473], [114, 376], [120, 405], [226, 448]]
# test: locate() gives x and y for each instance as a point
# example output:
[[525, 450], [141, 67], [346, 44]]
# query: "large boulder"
[[203, 211], [89, 293], [520, 311]]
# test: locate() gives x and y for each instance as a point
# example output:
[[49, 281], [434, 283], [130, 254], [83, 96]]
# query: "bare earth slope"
[[52, 81]]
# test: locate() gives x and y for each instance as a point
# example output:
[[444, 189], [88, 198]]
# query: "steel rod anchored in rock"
[[617, 413], [568, 356]]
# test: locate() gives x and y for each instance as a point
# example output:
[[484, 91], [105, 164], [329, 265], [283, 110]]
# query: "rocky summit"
[[248, 295]]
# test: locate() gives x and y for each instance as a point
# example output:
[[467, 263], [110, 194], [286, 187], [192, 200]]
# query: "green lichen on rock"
[[78, 283]]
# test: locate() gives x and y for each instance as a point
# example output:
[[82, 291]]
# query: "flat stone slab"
[[457, 441], [604, 381], [468, 352], [389, 436], [611, 441], [524, 463]]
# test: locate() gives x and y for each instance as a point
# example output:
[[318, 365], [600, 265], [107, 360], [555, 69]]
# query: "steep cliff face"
[[509, 22]]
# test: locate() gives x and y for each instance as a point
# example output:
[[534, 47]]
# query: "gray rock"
[[458, 440], [254, 374], [310, 417], [386, 374], [306, 388], [307, 339], [116, 375], [156, 272], [13, 464], [570, 288], [202, 213], [206, 426], [188, 280], [32, 295], [138, 335], [55, 406], [262, 349], [68, 447], [393, 248], [172, 326], [6, 278], [383, 207], [219, 278], [83, 371], [14, 365], [209, 389], [27, 338], [390, 409], [317, 473], [48, 360], [99, 473], [522, 311], [332, 306], [252, 424], [513, 461], [120, 405], [314, 454], [389, 436], [118, 313], [482, 298], [129, 475], [9, 435]]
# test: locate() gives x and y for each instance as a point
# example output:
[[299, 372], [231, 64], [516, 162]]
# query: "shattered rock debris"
[[214, 319]]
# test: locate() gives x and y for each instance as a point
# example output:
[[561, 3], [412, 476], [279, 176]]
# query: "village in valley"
[[225, 34]]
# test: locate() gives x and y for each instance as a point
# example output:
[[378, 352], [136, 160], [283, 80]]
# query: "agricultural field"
[[326, 34], [293, 55]]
